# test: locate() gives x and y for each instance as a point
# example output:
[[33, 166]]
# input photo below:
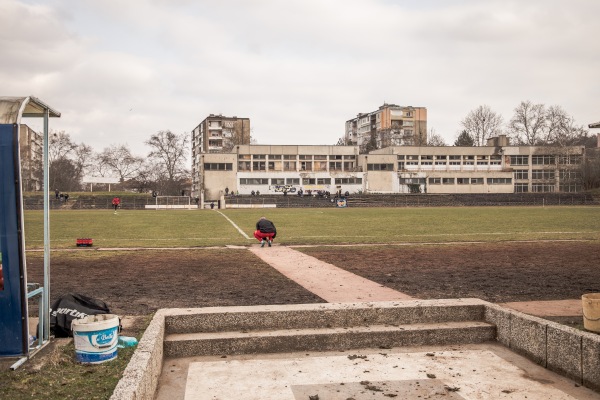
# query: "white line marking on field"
[[235, 226]]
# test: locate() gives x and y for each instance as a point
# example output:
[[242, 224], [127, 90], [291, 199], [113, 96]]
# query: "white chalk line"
[[235, 226]]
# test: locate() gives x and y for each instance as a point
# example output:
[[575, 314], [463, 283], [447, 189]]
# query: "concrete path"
[[327, 281], [549, 308]]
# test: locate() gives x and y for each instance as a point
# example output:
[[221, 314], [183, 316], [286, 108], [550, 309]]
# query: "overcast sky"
[[121, 70]]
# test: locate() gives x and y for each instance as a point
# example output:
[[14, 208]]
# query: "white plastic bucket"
[[96, 338], [591, 311]]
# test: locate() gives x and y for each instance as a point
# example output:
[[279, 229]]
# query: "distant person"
[[116, 202], [66, 197], [265, 231], [56, 193], [226, 191], [212, 205], [197, 200]]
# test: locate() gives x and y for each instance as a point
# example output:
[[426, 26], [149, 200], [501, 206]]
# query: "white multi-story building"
[[397, 169]]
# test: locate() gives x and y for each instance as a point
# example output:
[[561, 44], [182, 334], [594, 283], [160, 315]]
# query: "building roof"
[[12, 109], [594, 125]]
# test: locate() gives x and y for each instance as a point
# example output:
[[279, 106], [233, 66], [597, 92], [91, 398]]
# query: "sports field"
[[200, 228], [198, 258]]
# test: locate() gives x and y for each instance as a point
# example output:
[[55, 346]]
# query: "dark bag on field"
[[70, 307]]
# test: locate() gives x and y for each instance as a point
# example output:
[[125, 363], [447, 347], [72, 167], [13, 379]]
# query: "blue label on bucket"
[[96, 346], [94, 357]]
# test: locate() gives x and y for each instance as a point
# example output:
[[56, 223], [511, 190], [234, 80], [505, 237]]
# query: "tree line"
[[531, 125], [162, 169]]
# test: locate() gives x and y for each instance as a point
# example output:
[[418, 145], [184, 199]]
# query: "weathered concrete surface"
[[486, 371]]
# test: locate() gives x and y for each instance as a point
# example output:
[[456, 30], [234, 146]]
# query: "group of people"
[[61, 196]]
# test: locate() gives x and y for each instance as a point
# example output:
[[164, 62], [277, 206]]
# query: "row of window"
[[568, 159], [319, 157], [492, 157], [470, 181], [296, 165], [296, 181]]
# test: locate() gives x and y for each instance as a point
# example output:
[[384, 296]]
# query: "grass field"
[[199, 228]]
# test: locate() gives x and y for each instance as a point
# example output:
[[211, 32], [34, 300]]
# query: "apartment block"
[[216, 134], [390, 125], [31, 149]]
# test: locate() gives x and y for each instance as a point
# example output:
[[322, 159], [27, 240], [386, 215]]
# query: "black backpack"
[[70, 307]]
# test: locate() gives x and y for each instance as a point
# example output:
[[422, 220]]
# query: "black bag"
[[70, 307]]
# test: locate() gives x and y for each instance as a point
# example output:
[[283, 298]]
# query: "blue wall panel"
[[12, 325]]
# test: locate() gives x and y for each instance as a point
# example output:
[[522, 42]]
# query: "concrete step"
[[325, 339], [305, 316]]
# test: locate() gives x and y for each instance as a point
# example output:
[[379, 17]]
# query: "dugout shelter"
[[16, 337]]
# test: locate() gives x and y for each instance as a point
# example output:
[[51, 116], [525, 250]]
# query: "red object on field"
[[85, 242]]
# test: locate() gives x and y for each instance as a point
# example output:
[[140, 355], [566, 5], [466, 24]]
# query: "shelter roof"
[[12, 109]]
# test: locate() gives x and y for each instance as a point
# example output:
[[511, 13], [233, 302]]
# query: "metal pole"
[[46, 295]]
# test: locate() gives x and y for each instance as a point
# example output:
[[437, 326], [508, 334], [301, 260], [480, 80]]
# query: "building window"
[[289, 165], [320, 157], [292, 181], [323, 181], [274, 165], [542, 174], [244, 166], [499, 181], [259, 157], [274, 156], [543, 160], [380, 167], [305, 157], [435, 181], [521, 188], [308, 181], [335, 165], [259, 166], [463, 181], [218, 166], [350, 157], [277, 181], [348, 165], [412, 181], [254, 181], [244, 157], [320, 165], [519, 160], [290, 157], [305, 165], [448, 181], [348, 181], [476, 181], [521, 174], [570, 159], [401, 157], [542, 188]]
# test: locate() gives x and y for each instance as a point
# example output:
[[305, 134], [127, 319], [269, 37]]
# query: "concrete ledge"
[[140, 378], [569, 352]]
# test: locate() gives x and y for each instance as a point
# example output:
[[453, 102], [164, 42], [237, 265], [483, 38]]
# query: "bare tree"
[[482, 124], [529, 124], [120, 161], [60, 146], [169, 153], [562, 130], [435, 139]]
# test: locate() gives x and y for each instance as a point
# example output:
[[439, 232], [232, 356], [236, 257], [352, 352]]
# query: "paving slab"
[[487, 371], [327, 281]]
